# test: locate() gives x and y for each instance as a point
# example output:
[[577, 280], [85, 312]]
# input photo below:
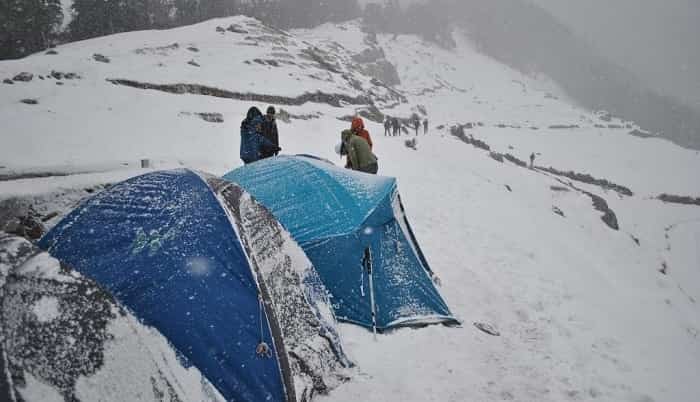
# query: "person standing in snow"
[[425, 126], [360, 156], [252, 140], [395, 126], [387, 126], [532, 160], [269, 131], [358, 127], [416, 125]]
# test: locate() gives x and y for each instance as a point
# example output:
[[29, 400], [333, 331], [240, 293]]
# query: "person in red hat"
[[358, 127]]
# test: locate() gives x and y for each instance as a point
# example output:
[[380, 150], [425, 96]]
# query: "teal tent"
[[354, 230]]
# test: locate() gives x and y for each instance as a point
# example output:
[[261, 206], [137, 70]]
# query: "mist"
[[655, 40], [636, 59]]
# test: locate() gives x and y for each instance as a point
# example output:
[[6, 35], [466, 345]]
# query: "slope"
[[583, 311]]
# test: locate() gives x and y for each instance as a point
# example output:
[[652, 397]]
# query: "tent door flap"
[[367, 265]]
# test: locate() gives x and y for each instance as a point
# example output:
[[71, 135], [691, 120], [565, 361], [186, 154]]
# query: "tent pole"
[[368, 264]]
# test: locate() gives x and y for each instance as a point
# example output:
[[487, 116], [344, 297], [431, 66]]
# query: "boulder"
[[236, 29], [383, 71], [496, 156], [487, 328], [101, 58], [641, 133], [19, 218], [369, 55], [211, 117], [23, 76], [371, 113], [605, 116]]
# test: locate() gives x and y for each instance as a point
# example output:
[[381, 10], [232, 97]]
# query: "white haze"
[[656, 40], [635, 58]]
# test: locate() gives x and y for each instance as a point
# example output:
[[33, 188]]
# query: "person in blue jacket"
[[253, 143]]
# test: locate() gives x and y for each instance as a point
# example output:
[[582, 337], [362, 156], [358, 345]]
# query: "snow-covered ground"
[[583, 310]]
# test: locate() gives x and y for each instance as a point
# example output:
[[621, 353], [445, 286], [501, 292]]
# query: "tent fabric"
[[179, 250], [335, 215], [301, 302], [162, 245]]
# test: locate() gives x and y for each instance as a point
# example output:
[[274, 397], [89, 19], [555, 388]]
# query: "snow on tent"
[[62, 337], [212, 270], [353, 228]]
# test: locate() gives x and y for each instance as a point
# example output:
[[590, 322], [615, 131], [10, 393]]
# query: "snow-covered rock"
[[64, 338]]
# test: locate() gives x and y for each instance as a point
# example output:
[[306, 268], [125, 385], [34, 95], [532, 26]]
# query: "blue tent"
[[172, 248], [353, 228]]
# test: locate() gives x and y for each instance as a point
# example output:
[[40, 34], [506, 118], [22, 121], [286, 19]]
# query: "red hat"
[[357, 124]]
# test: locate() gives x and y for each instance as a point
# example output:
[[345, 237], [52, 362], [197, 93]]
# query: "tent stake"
[[368, 264]]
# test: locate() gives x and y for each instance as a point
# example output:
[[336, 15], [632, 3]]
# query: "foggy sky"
[[656, 40]]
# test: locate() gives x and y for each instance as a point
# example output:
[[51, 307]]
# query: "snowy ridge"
[[584, 312]]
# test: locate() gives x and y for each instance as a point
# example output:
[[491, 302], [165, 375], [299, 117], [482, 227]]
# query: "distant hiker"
[[532, 160], [396, 126], [360, 156], [252, 140], [416, 125], [387, 126], [269, 131], [358, 127], [425, 126]]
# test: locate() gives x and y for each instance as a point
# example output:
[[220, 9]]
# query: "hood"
[[253, 112], [357, 124]]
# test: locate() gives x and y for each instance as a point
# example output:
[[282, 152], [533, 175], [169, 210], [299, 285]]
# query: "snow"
[[583, 311], [63, 335], [43, 266], [199, 266], [151, 353], [36, 390], [46, 309]]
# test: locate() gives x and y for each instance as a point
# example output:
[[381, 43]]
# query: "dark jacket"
[[252, 141], [269, 131]]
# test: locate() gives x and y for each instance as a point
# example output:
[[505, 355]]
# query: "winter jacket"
[[252, 141], [358, 127], [269, 131], [360, 156]]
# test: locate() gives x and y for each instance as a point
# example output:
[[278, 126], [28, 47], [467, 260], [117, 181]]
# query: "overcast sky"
[[657, 40]]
